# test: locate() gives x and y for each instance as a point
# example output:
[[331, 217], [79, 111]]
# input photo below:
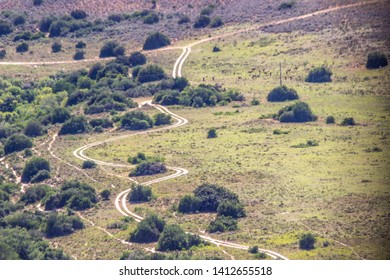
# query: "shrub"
[[28, 153], [306, 242], [281, 94], [88, 164], [319, 75], [212, 133], [60, 224], [202, 21], [348, 121], [37, 2], [46, 23], [148, 168], [150, 73], [253, 250], [79, 55], [255, 102], [173, 238], [189, 204], [207, 11], [59, 115], [148, 230], [3, 53], [330, 120], [110, 49], [161, 119], [116, 17], [136, 120], [21, 48], [140, 193], [19, 20], [16, 143], [140, 157], [376, 60], [216, 22], [78, 14], [286, 5], [34, 129], [105, 194], [56, 28], [231, 209], [184, 19], [5, 28], [222, 224], [84, 82], [298, 112], [80, 45], [212, 195], [104, 123], [151, 18], [35, 194], [137, 58], [40, 176], [216, 49], [56, 47], [75, 125], [156, 40], [33, 166]]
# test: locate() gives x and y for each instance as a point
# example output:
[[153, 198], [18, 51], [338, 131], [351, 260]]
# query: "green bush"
[[34, 129], [140, 157], [21, 48], [59, 115], [330, 120], [80, 45], [253, 250], [32, 167], [56, 47], [59, 225], [106, 194], [161, 119], [216, 22], [156, 40], [137, 58], [56, 28], [35, 194], [202, 21], [5, 28], [148, 230], [75, 125], [184, 19], [37, 2], [151, 18], [231, 209], [78, 14], [212, 195], [255, 102], [136, 120], [16, 143], [140, 193], [216, 49], [298, 112], [116, 17], [286, 5], [111, 49], [40, 176], [207, 11], [3, 54], [173, 238], [212, 133], [148, 168], [222, 224], [79, 55], [281, 94], [189, 204], [319, 75], [46, 23], [376, 60], [348, 122], [306, 242], [88, 164], [103, 122], [19, 20]]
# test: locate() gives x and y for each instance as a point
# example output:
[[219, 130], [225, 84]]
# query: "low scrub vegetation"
[[156, 40], [281, 94], [148, 168], [298, 112], [140, 193], [319, 75], [136, 120], [376, 60], [148, 230]]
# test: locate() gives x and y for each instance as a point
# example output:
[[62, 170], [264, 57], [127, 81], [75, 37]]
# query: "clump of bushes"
[[110, 49], [34, 129], [16, 143], [79, 55], [298, 112], [162, 119], [75, 125], [59, 224], [78, 14], [330, 120], [222, 224], [202, 21], [23, 47], [140, 193], [173, 238], [102, 122], [33, 170], [141, 157], [80, 45], [36, 193], [151, 18], [184, 19], [137, 58], [56, 47], [88, 164], [286, 5], [156, 40], [136, 120], [348, 122], [105, 194], [59, 115], [376, 60], [216, 22], [320, 74], [306, 242], [148, 168], [148, 230], [281, 94], [5, 28], [212, 133], [150, 73], [309, 143]]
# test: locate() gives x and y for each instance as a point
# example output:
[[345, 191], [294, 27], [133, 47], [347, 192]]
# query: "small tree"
[[89, 164], [231, 209], [19, 20], [137, 58], [80, 45], [34, 129], [140, 193], [173, 238], [110, 49], [212, 133], [16, 143], [253, 250], [202, 21], [161, 119], [330, 120], [281, 94], [156, 40], [189, 204], [148, 230], [348, 122], [21, 48], [376, 60], [319, 75], [33, 166], [306, 242], [5, 28], [79, 55], [106, 194], [78, 14], [56, 47]]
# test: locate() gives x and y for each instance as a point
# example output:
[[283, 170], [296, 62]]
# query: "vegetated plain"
[[338, 190]]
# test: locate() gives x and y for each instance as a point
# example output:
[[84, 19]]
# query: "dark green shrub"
[[216, 49], [173, 238], [79, 55], [105, 194], [88, 164], [56, 28], [148, 168], [151, 18], [286, 5], [348, 122], [21, 48], [40, 176], [34, 129], [19, 20], [150, 73], [202, 21], [161, 119], [216, 22], [255, 102], [180, 83], [84, 82], [212, 133], [298, 112], [212, 195], [320, 74], [167, 97], [32, 167], [3, 53], [222, 224], [140, 193], [116, 17], [78, 14], [105, 123], [37, 2], [59, 224], [137, 58], [80, 45], [94, 70], [253, 250], [119, 51], [306, 242], [376, 60], [110, 49], [207, 11], [25, 220], [189, 204], [184, 19], [46, 23], [75, 125], [16, 143], [136, 120], [330, 120], [28, 153], [140, 157], [63, 85], [59, 115], [5, 28], [231, 209], [148, 230], [156, 40], [281, 94], [35, 194], [56, 47]]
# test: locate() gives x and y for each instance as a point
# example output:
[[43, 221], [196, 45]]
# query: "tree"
[[3, 53], [140, 193], [330, 120], [33, 166], [161, 119], [80, 45], [136, 120], [78, 14], [202, 21], [79, 55], [56, 47], [21, 48], [16, 143], [34, 129], [231, 209], [216, 22], [156, 40], [137, 58], [110, 49], [59, 115], [75, 125], [148, 168], [88, 164], [148, 230], [173, 238], [281, 94], [189, 204], [306, 242], [298, 112], [150, 73], [319, 75], [5, 28], [19, 20], [212, 133], [106, 194], [376, 60], [348, 122]]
